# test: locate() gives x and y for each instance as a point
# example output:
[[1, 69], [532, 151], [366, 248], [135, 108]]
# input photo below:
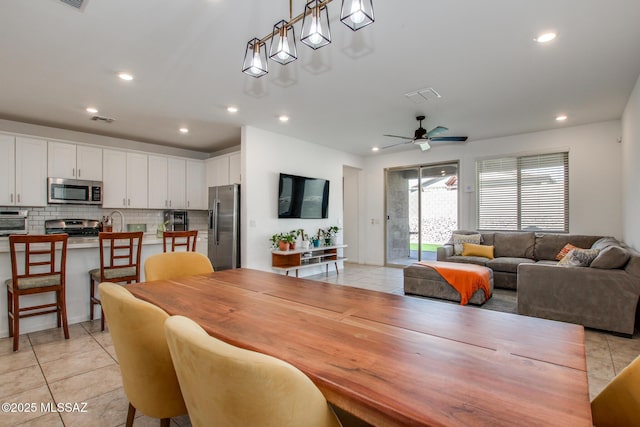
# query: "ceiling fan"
[[423, 138]]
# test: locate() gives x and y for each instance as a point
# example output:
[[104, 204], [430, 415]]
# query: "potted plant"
[[293, 238], [328, 234], [282, 241]]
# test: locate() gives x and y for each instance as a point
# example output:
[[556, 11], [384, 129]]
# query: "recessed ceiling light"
[[184, 130], [545, 38], [91, 110], [561, 118], [232, 109], [375, 149], [283, 118], [125, 76]]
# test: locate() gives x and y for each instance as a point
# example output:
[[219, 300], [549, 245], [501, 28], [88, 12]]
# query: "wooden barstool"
[[44, 271], [119, 263], [180, 238]]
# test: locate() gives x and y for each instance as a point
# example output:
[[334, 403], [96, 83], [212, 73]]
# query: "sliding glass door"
[[421, 211]]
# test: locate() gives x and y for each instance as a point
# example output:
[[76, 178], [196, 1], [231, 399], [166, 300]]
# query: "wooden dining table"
[[394, 360]]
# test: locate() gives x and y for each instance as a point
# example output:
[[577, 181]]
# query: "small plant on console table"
[[328, 234], [282, 241]]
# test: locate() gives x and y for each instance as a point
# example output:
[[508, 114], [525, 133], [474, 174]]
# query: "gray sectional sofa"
[[604, 295]]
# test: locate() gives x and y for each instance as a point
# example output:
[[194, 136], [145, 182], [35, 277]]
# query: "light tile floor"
[[84, 369]]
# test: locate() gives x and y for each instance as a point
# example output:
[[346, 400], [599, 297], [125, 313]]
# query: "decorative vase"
[[316, 243], [292, 246], [283, 245], [306, 244], [327, 241]]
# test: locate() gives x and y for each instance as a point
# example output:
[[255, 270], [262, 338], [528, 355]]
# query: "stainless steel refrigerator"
[[224, 227]]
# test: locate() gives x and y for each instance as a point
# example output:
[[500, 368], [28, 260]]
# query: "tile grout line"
[[45, 378]]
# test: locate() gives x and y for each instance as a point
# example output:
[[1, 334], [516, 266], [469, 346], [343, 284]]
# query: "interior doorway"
[[421, 211]]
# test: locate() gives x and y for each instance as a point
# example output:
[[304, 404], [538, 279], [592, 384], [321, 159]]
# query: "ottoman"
[[426, 282]]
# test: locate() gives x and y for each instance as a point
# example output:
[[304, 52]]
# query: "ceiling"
[[187, 55]]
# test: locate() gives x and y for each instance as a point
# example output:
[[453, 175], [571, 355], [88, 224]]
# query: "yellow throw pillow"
[[469, 249]]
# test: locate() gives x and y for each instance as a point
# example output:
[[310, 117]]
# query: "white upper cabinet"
[[30, 172], [89, 163], [234, 168], [167, 181], [124, 179], [67, 160], [176, 183], [158, 182], [7, 170], [223, 170], [23, 171], [196, 188]]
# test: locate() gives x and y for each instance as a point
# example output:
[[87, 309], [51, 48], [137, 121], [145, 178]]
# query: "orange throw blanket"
[[465, 278]]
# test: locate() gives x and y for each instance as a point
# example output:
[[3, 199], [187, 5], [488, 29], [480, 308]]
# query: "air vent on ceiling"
[[102, 119], [421, 95], [75, 3]]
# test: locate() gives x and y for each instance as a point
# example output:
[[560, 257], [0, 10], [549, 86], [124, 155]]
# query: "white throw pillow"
[[459, 239]]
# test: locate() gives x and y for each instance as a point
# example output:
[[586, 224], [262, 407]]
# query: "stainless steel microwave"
[[74, 191]]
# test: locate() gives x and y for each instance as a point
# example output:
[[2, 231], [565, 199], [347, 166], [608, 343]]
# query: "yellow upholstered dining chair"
[[618, 404], [171, 265], [228, 386], [148, 377]]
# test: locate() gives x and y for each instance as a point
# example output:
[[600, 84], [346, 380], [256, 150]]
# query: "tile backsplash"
[[150, 217]]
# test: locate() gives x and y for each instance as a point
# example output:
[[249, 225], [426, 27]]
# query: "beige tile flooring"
[[83, 369]]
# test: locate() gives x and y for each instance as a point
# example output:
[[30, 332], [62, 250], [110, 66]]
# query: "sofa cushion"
[[469, 249], [549, 244], [459, 239], [605, 242], [611, 257], [469, 259], [579, 258], [565, 250], [547, 262], [508, 264], [514, 245]]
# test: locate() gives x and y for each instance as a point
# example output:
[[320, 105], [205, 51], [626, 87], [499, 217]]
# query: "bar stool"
[[44, 271], [180, 238], [119, 263]]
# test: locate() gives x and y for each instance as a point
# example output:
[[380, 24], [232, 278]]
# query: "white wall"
[[630, 169], [595, 178], [266, 154]]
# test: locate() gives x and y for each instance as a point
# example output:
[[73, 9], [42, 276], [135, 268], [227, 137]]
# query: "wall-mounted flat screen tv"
[[302, 197]]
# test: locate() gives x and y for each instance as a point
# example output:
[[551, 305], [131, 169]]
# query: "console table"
[[296, 259]]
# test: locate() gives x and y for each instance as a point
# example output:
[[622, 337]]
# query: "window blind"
[[524, 193]]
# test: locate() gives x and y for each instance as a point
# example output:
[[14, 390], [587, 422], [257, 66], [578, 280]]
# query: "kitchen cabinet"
[[24, 171], [74, 161], [124, 179], [223, 170], [167, 182], [176, 183], [196, 188]]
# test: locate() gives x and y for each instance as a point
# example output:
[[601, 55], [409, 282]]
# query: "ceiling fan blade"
[[424, 146], [395, 145], [436, 131], [449, 138], [398, 136]]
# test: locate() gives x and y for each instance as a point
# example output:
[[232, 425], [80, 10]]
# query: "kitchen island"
[[82, 256]]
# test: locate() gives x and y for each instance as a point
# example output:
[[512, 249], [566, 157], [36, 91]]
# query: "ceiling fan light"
[[255, 59], [315, 25], [357, 14], [424, 146], [283, 43]]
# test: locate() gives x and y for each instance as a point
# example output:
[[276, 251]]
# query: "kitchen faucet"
[[121, 219]]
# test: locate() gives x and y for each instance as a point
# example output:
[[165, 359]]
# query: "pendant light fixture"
[[283, 43], [315, 33], [357, 14], [315, 25], [255, 59]]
